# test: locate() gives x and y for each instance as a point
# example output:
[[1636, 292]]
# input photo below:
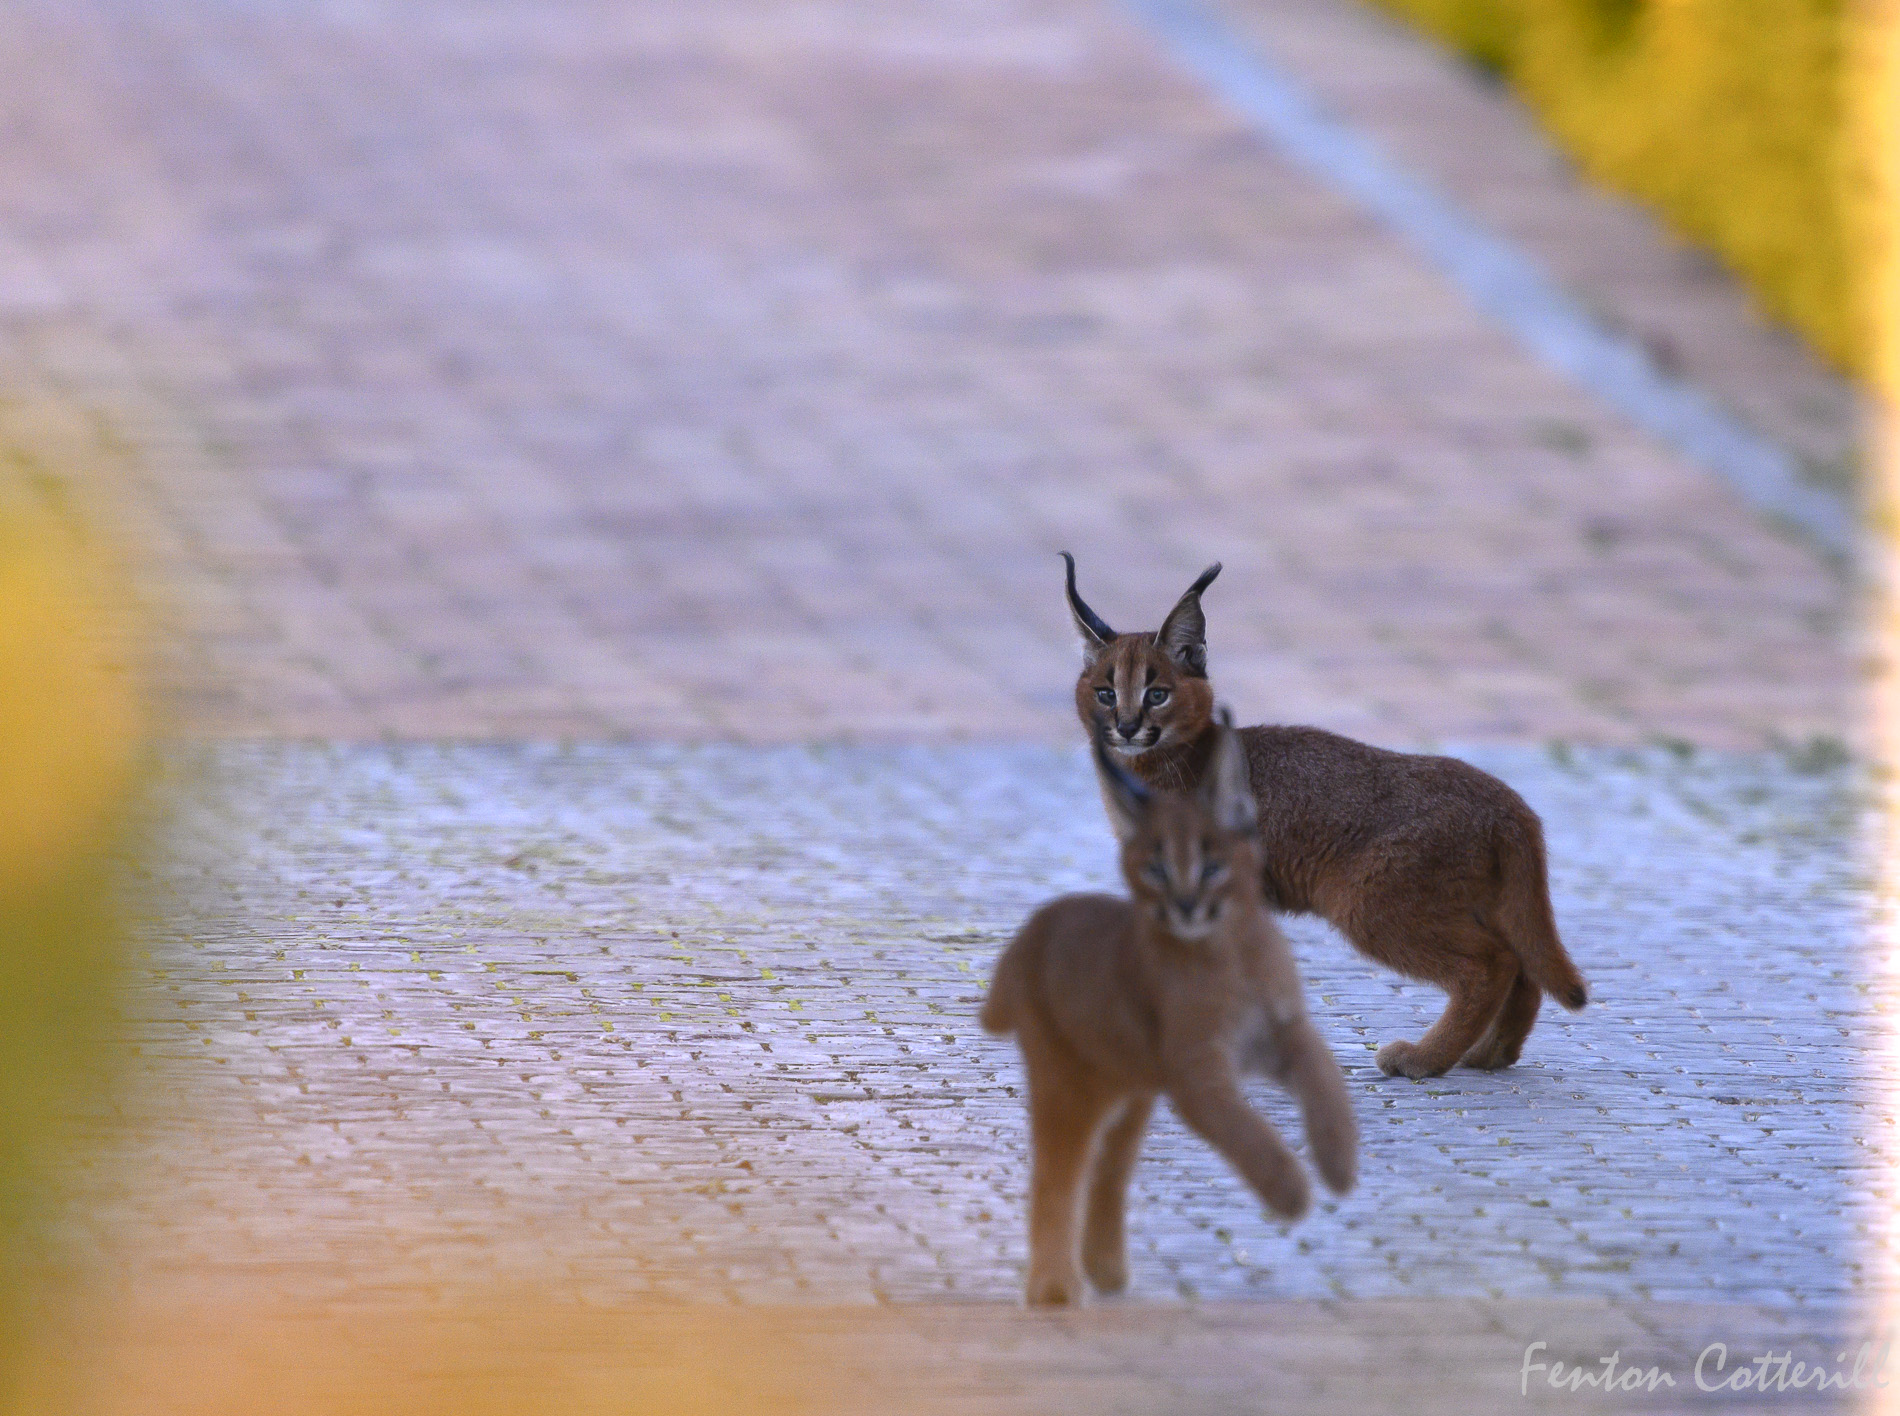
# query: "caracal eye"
[[1157, 696], [1156, 872], [1105, 695], [1212, 870]]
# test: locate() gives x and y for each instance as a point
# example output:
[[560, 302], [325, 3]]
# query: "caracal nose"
[[1128, 730]]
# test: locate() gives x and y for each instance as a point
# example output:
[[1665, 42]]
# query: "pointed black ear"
[[1183, 634], [1122, 793], [1095, 634], [1226, 791]]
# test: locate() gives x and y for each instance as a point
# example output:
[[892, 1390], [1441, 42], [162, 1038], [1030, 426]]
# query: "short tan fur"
[[1426, 864], [1178, 994]]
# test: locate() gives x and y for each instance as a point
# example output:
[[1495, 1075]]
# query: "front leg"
[[1104, 1236], [1208, 1096], [1308, 1069], [1064, 1116]]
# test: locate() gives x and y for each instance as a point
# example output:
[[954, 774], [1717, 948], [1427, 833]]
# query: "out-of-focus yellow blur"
[[72, 735], [71, 718], [1878, 118], [515, 1357], [1730, 117]]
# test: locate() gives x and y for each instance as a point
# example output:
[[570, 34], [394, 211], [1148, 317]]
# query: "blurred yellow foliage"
[[71, 745], [70, 714], [1877, 83], [536, 1351], [1735, 119]]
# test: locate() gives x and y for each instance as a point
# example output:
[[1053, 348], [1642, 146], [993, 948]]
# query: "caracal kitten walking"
[[1426, 864], [1176, 994]]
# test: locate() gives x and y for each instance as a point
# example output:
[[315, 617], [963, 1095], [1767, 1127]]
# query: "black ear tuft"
[[1183, 634], [1123, 793], [1095, 633], [1207, 579]]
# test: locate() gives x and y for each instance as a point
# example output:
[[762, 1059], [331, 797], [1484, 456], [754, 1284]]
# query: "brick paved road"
[[735, 370], [691, 1020], [695, 1022]]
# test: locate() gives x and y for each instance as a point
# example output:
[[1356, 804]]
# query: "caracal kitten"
[[1426, 864], [1176, 993]]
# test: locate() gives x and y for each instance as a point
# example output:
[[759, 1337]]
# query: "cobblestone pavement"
[[686, 1021], [734, 370]]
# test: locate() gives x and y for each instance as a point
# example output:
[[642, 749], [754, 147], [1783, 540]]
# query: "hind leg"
[[1478, 983], [1503, 1041], [1104, 1237]]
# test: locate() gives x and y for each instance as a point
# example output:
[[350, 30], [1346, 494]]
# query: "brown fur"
[[1426, 864], [1113, 1007]]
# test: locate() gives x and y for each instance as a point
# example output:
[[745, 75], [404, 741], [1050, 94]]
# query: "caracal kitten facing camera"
[[1176, 993], [1426, 864]]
